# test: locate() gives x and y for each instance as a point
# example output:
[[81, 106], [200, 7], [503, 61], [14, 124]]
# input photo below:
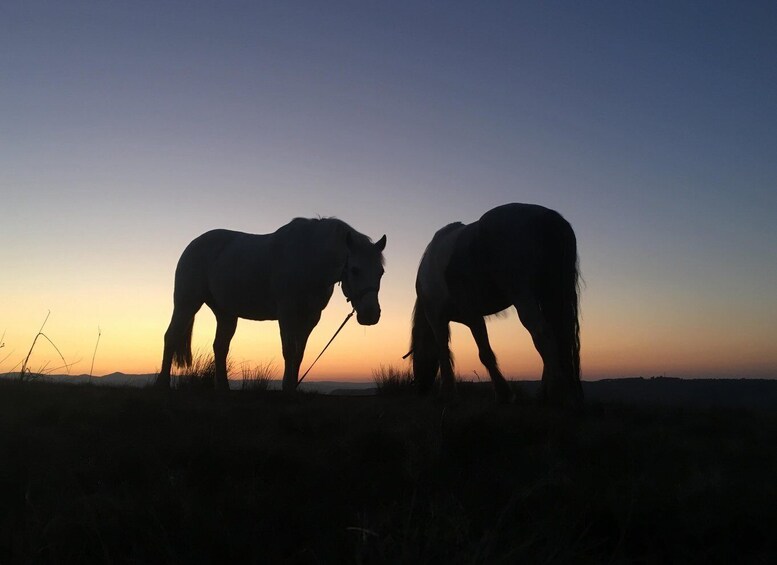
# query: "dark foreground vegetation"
[[98, 474]]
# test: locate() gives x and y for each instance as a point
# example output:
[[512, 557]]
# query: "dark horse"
[[519, 255], [288, 275]]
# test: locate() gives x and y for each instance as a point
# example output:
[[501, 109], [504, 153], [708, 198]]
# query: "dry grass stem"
[[91, 368], [24, 372], [390, 380], [258, 377]]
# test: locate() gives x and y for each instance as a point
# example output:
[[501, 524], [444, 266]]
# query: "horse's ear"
[[381, 244]]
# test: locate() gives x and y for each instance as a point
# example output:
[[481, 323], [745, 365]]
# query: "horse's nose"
[[368, 316]]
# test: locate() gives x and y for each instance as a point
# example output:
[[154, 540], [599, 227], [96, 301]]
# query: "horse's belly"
[[259, 314], [257, 306], [481, 306], [477, 296], [245, 304]]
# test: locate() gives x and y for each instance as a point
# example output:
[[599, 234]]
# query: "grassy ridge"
[[122, 475]]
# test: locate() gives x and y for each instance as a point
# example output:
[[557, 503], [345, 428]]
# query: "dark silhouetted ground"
[[102, 474]]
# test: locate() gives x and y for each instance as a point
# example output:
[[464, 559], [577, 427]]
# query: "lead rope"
[[348, 317]]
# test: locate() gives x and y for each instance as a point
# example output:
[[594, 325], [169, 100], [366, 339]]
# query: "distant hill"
[[346, 388], [699, 393], [113, 379], [731, 393]]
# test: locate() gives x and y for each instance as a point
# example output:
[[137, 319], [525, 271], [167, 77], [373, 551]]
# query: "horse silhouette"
[[520, 255], [288, 275]]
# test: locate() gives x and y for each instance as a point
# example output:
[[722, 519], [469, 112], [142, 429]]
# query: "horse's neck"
[[330, 251]]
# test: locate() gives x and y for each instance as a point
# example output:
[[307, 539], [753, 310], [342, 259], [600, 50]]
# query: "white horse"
[[288, 275], [519, 255]]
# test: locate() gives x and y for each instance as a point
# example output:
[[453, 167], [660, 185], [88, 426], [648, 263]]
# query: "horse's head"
[[361, 277]]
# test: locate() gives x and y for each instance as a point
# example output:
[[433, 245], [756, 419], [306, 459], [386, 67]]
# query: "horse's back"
[[521, 242], [208, 259], [480, 266], [521, 231], [209, 243], [249, 275], [514, 218], [205, 249]]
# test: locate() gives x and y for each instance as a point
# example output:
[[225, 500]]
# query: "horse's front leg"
[[291, 358], [442, 336], [294, 337], [225, 329], [478, 328]]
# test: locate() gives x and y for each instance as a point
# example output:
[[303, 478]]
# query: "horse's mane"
[[336, 223]]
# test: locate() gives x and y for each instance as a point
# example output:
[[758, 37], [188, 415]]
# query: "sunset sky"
[[129, 128]]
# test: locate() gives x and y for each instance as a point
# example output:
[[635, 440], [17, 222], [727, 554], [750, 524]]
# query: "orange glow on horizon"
[[133, 325], [132, 344]]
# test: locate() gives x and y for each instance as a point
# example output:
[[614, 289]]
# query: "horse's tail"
[[424, 350], [560, 302], [182, 345]]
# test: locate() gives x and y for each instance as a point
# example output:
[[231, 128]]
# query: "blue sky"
[[126, 129]]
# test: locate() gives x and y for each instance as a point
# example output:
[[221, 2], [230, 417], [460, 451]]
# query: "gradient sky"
[[129, 128]]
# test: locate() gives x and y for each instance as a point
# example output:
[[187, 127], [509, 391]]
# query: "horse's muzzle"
[[368, 309], [369, 317]]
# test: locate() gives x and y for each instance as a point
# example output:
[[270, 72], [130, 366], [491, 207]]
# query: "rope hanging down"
[[348, 317]]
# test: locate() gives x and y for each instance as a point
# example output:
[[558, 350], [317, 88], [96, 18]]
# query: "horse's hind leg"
[[545, 342], [225, 329], [442, 335], [177, 341], [487, 357]]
